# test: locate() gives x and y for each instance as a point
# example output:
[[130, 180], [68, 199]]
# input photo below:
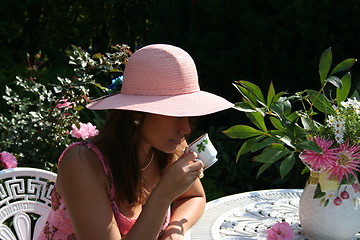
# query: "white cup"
[[205, 150]]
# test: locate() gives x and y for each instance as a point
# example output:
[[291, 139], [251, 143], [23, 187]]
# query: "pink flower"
[[64, 103], [85, 131], [318, 161], [348, 160], [280, 231], [8, 160]]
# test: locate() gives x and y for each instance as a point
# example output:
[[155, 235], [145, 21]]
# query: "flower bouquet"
[[319, 128]]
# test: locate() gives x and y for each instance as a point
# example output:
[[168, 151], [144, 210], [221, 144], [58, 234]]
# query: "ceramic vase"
[[329, 210]]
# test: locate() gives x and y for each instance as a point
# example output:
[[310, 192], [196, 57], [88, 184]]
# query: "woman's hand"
[[180, 175]]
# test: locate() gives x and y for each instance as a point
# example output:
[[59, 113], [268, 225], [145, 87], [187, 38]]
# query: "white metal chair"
[[25, 202]]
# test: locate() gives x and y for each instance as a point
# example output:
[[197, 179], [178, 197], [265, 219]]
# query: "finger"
[[188, 157], [199, 161], [195, 166]]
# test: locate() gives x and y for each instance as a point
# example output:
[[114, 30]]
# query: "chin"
[[170, 149]]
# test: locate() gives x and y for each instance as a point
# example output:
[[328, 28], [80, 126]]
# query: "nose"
[[184, 125]]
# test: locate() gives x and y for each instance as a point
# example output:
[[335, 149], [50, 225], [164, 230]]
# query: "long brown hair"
[[118, 140]]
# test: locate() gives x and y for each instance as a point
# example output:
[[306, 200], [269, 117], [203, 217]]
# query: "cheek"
[[153, 137]]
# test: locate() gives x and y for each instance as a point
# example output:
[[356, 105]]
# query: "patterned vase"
[[329, 210]]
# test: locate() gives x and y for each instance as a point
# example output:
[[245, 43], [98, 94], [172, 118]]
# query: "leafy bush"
[[41, 115]]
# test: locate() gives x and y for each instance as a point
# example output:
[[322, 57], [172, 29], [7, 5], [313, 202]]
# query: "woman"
[[137, 179]]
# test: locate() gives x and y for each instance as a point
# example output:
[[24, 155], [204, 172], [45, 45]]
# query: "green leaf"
[[79, 108], [318, 193], [257, 119], [321, 102], [278, 146], [287, 165], [325, 64], [242, 131], [344, 65], [309, 145], [287, 141], [355, 94], [98, 85], [118, 70], [97, 55], [247, 95], [244, 107], [306, 122], [259, 145], [263, 168], [8, 91], [334, 81], [246, 146], [348, 179], [305, 170], [342, 93], [278, 96], [277, 123], [271, 155], [57, 89], [293, 117], [271, 94], [254, 89], [282, 107]]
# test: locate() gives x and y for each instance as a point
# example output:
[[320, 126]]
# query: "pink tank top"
[[58, 225]]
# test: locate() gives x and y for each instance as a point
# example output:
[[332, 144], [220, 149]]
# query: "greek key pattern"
[[27, 188]]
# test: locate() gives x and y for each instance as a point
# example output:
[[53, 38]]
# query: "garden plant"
[[45, 117]]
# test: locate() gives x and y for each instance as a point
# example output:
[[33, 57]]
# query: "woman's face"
[[163, 132]]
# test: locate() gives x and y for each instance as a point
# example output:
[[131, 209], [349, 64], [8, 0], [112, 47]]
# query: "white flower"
[[337, 125], [345, 104], [353, 103], [339, 137]]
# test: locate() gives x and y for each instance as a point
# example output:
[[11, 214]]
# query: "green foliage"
[[290, 130], [41, 115], [258, 44]]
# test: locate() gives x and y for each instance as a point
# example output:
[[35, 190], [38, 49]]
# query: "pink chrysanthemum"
[[85, 131], [8, 160], [280, 231], [319, 161], [348, 160]]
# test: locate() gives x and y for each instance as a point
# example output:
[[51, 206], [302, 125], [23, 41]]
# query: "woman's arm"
[[84, 187], [187, 208]]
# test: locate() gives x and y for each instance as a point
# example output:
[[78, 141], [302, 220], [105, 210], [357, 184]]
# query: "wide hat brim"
[[184, 105], [162, 79]]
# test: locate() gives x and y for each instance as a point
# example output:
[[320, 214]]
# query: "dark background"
[[254, 40]]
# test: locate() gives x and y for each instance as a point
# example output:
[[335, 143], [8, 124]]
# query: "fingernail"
[[186, 149]]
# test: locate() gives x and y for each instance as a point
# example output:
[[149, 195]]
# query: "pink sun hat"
[[162, 79]]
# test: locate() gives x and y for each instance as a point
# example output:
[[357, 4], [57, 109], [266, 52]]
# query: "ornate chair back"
[[25, 202]]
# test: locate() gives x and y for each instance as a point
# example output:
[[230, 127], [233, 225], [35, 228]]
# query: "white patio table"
[[248, 215]]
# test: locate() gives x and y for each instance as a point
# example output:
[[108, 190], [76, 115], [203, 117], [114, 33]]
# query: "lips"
[[176, 141]]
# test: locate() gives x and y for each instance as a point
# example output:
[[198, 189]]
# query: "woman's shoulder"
[[80, 163], [78, 152]]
